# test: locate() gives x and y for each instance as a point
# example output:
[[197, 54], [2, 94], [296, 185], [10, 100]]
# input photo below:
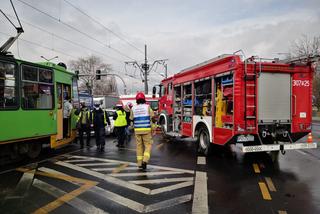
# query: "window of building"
[[8, 86], [37, 88]]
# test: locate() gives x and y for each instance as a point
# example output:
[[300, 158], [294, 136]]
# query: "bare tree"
[[108, 86], [89, 65], [309, 47], [306, 46]]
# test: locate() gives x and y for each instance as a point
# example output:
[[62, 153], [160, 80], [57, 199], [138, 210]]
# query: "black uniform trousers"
[[84, 129], [121, 134], [99, 133]]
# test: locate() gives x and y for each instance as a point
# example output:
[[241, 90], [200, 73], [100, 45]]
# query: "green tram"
[[31, 106]]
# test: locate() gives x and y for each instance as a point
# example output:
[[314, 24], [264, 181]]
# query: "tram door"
[[63, 91]]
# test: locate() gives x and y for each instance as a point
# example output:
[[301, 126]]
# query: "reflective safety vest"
[[84, 116], [121, 119], [141, 117]]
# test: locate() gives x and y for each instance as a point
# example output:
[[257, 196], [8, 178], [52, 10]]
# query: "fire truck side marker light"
[[270, 184], [264, 191], [256, 168]]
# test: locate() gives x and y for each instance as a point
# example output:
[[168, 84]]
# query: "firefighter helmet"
[[119, 105], [140, 96]]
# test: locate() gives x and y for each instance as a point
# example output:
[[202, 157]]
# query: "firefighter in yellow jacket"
[[142, 115]]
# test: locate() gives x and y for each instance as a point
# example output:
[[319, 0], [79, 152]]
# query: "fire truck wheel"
[[163, 127], [203, 141]]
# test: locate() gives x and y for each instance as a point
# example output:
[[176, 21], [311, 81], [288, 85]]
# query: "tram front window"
[[8, 97]]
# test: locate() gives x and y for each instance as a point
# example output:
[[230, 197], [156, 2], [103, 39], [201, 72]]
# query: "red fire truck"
[[257, 104]]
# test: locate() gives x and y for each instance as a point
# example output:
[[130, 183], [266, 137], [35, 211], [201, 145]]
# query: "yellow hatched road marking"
[[120, 168], [282, 212], [87, 184], [270, 184], [63, 199], [264, 191], [256, 168]]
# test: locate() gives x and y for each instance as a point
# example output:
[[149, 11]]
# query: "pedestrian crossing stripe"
[[129, 203], [114, 178]]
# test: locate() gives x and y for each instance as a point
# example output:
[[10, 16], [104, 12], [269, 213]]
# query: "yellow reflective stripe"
[[79, 116], [139, 157], [104, 116], [142, 129], [147, 154]]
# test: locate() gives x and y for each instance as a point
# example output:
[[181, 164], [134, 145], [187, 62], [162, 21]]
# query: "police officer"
[[142, 115], [83, 124], [99, 120], [128, 108], [120, 124]]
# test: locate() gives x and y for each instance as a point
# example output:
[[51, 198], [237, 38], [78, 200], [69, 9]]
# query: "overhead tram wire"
[[42, 46], [51, 49], [75, 29], [67, 40], [102, 25]]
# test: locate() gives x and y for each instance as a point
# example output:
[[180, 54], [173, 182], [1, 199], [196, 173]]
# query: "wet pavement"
[[71, 180]]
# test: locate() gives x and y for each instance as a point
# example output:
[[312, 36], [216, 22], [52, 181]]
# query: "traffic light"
[[98, 74]]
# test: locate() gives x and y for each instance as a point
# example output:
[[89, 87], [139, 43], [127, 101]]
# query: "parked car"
[[110, 113]]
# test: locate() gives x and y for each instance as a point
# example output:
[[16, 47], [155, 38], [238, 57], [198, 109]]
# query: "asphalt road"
[[71, 180]]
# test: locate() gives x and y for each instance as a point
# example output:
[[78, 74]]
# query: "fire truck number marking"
[[303, 83]]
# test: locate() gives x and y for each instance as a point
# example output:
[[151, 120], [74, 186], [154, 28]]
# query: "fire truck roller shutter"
[[274, 97]]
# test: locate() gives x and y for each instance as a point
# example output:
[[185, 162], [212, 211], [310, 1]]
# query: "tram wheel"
[[34, 150]]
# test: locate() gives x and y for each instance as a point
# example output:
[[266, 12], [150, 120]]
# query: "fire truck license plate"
[[245, 138]]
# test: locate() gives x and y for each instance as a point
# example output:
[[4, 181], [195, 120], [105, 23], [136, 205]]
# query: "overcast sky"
[[183, 31]]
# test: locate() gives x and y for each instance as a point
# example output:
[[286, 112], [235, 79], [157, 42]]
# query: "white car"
[[110, 113]]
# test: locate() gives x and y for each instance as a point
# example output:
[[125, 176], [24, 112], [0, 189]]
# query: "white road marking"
[[77, 160], [107, 178], [124, 162], [201, 160], [111, 169], [270, 184], [132, 174], [96, 164], [301, 152], [118, 199], [128, 202], [171, 187], [76, 203], [23, 186], [200, 195], [168, 203], [162, 180]]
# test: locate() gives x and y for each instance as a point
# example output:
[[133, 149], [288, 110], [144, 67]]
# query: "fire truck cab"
[[258, 105]]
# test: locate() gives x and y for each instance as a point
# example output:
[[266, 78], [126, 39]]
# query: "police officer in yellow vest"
[[83, 124], [120, 124], [142, 114]]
